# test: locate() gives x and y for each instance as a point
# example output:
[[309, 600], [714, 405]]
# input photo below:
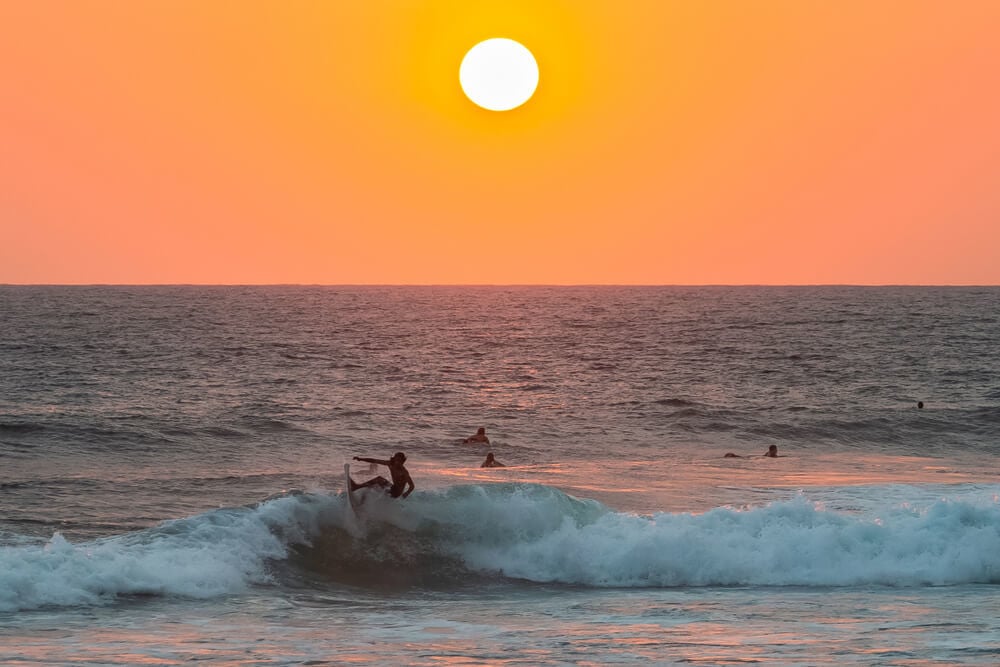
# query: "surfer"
[[480, 436], [491, 462], [771, 453], [400, 476]]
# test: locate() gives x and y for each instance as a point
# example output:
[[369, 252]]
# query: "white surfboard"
[[351, 497]]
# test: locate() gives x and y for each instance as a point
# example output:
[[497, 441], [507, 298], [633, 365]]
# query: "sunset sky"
[[668, 142]]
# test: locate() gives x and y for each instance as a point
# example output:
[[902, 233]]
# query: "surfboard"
[[351, 497]]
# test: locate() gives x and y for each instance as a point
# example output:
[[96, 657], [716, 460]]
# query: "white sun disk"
[[499, 74]]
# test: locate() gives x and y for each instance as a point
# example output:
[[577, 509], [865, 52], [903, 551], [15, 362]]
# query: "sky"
[[668, 142]]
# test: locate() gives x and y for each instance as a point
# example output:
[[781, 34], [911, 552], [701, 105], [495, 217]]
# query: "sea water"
[[172, 488]]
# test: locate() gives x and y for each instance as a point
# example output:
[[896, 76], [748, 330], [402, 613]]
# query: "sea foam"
[[788, 543], [216, 553]]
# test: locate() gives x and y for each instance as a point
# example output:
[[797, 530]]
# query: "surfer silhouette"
[[491, 462], [480, 436], [400, 476]]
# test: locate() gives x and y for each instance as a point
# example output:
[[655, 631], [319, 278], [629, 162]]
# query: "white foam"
[[212, 554], [787, 543]]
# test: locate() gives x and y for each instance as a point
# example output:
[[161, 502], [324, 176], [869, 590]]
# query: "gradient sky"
[[669, 142]]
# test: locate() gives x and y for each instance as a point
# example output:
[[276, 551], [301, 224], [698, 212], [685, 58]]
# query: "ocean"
[[172, 485]]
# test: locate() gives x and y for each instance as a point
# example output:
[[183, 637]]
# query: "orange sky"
[[772, 141]]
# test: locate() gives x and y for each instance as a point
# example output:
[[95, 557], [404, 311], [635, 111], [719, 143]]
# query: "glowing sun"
[[499, 74]]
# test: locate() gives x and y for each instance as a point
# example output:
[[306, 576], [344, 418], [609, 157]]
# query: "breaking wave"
[[529, 533]]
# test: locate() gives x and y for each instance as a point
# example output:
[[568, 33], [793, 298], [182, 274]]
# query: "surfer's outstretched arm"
[[368, 460]]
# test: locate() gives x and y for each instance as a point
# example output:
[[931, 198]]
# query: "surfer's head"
[[399, 456]]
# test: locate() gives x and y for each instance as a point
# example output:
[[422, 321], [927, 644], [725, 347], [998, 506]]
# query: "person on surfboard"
[[400, 476], [491, 462], [479, 437]]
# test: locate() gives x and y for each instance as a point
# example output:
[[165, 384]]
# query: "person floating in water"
[[772, 453], [480, 436], [491, 462], [920, 405], [400, 476]]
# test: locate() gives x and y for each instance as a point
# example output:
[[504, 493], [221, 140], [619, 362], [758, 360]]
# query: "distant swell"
[[20, 427], [507, 531]]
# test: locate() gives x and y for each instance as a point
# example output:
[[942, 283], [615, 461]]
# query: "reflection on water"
[[531, 626], [698, 484]]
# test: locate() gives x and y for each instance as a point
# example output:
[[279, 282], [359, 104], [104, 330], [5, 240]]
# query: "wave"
[[21, 427], [674, 402], [538, 534], [217, 553], [529, 533]]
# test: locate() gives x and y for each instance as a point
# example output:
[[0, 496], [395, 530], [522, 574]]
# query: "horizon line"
[[430, 284]]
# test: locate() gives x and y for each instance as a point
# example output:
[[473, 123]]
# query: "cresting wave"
[[527, 532]]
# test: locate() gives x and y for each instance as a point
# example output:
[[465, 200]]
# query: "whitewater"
[[172, 487]]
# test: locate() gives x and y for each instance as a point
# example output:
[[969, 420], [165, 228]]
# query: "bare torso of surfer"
[[402, 484]]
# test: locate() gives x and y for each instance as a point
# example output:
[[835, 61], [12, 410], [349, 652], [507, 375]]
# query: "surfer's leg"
[[375, 481]]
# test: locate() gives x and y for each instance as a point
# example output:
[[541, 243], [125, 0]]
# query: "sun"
[[499, 74]]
